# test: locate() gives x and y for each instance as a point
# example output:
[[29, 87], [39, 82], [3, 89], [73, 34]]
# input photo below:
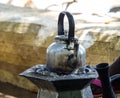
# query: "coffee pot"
[[107, 90], [65, 53]]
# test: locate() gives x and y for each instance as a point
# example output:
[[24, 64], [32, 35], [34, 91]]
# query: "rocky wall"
[[26, 33]]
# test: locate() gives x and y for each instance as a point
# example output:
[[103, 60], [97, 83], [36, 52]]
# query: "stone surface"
[[102, 44], [22, 41], [26, 33], [76, 6]]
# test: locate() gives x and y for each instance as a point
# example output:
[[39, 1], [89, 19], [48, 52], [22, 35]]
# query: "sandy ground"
[[9, 91]]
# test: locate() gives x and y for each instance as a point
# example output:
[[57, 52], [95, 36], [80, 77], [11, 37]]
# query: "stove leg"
[[47, 94], [70, 94], [87, 92], [62, 94]]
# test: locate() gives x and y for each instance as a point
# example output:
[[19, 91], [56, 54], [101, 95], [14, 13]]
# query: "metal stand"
[[62, 94], [85, 93], [63, 86]]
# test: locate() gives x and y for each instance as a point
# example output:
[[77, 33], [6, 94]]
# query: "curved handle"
[[115, 77], [61, 25]]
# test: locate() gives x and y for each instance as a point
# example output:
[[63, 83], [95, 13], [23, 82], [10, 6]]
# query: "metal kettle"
[[65, 53]]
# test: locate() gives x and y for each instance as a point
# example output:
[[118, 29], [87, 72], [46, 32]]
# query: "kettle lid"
[[65, 38]]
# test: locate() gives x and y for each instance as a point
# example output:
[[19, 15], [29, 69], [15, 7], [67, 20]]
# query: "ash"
[[42, 71]]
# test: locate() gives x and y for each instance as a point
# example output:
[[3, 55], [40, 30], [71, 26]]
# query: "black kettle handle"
[[61, 25], [114, 77]]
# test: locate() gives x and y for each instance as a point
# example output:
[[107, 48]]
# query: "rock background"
[[76, 6], [26, 33]]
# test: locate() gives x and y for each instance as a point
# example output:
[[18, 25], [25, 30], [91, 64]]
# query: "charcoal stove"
[[60, 84]]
